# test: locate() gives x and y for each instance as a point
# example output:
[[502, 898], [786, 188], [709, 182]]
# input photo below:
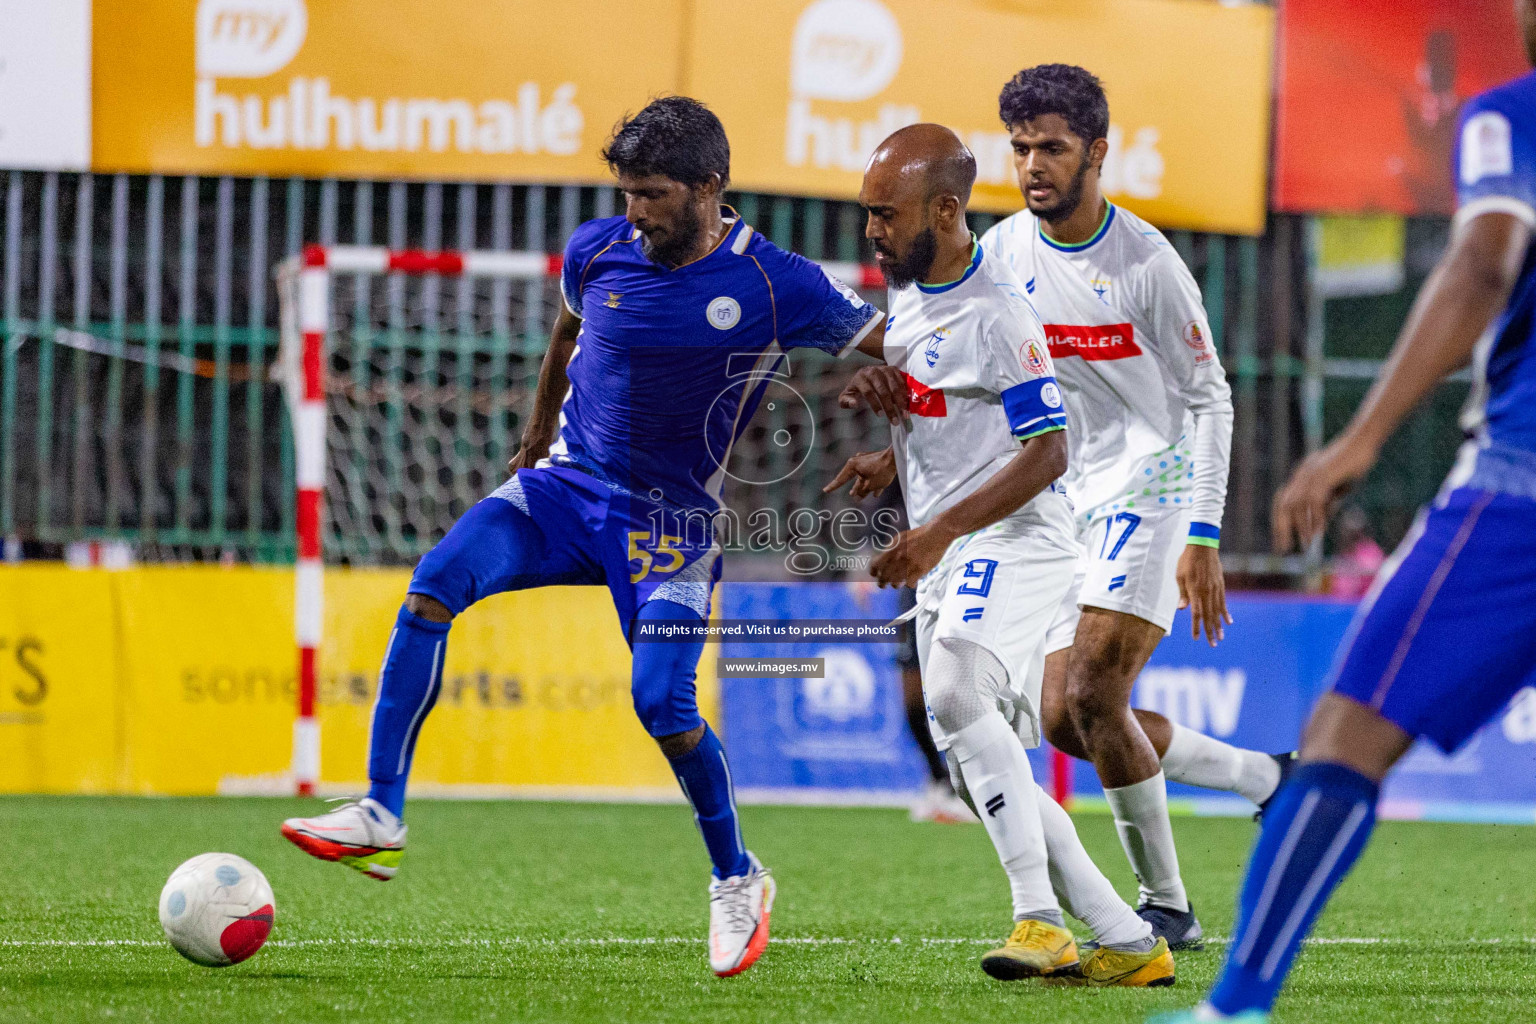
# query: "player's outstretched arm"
[[544, 420], [1461, 297], [1041, 460]]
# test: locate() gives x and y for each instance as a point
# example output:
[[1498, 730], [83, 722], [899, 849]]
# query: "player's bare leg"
[[1108, 653], [1344, 731], [1186, 755]]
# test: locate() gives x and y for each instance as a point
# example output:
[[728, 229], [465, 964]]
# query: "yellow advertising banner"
[[362, 88], [180, 680], [808, 88], [454, 89], [61, 695]]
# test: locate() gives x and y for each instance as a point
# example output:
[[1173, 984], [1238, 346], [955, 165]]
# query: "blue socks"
[[706, 782], [408, 687], [1313, 833]]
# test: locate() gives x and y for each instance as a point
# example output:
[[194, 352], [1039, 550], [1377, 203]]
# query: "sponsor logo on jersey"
[[723, 313], [923, 400], [1033, 358], [613, 300], [931, 352], [1092, 342], [1100, 284]]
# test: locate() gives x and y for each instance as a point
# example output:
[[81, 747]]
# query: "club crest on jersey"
[[931, 352], [613, 300], [1194, 337], [1033, 358], [723, 313]]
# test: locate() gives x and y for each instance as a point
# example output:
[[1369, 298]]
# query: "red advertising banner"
[[1368, 93]]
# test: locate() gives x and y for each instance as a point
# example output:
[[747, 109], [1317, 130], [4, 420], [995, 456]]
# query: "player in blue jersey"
[[1448, 633], [677, 315]]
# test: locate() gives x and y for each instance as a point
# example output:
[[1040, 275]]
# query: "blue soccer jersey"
[[1425, 650], [1496, 172], [671, 363]]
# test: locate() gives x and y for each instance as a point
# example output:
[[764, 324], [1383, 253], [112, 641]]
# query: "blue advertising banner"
[[843, 737]]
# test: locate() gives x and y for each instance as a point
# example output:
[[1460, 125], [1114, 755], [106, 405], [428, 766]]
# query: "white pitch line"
[[656, 940]]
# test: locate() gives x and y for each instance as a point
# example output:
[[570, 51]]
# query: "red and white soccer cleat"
[[363, 835], [739, 908], [940, 804]]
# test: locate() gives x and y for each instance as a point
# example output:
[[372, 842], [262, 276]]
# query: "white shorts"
[[999, 588], [1129, 564]]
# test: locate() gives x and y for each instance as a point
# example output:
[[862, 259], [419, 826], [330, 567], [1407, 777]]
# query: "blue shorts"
[[555, 526], [1448, 633]]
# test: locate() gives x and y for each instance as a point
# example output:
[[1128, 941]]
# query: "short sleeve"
[[1496, 160], [587, 241], [1016, 364], [816, 310]]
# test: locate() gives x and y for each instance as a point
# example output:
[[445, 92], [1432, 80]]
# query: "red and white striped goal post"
[[304, 289]]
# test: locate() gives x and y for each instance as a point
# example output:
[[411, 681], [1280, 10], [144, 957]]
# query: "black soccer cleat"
[[1287, 763], [1181, 928]]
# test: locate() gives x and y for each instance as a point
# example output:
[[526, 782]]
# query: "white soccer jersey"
[[1148, 401], [979, 381]]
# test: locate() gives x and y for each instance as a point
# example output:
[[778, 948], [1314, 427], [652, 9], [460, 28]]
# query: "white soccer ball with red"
[[217, 909]]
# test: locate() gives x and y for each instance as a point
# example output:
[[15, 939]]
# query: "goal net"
[[430, 362]]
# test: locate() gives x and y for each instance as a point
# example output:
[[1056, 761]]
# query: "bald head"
[[929, 156], [916, 187]]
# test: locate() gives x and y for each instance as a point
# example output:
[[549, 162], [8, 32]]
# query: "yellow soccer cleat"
[[1034, 950], [1109, 967]]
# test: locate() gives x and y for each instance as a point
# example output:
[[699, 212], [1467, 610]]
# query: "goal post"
[[384, 384]]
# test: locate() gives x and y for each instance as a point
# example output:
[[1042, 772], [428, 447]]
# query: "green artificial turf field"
[[584, 912]]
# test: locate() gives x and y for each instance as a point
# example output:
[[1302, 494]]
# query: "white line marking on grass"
[[689, 940]]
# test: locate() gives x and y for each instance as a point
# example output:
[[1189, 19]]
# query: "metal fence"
[[139, 319]]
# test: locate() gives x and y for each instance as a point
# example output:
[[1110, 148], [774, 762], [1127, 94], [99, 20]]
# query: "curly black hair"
[[674, 136], [1065, 89]]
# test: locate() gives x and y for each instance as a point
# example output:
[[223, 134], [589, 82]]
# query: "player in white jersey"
[[991, 548], [1151, 434]]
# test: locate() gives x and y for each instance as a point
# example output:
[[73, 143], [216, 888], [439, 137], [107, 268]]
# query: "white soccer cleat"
[[362, 834], [739, 908], [940, 804]]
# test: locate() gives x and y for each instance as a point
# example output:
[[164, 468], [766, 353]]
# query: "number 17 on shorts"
[[1133, 559]]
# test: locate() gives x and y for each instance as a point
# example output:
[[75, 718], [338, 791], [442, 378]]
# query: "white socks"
[[1082, 888], [1141, 818], [1002, 789], [1198, 760]]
